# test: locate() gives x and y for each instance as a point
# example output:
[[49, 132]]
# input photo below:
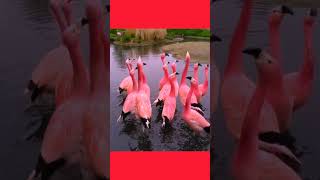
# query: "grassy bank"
[[171, 36]]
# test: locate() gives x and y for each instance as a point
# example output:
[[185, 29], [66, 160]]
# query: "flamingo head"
[[163, 56], [278, 13], [196, 66], [187, 56], [207, 67], [132, 72], [310, 17], [193, 81], [265, 63]]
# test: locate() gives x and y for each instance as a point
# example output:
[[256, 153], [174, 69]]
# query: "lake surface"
[[128, 135], [306, 123]]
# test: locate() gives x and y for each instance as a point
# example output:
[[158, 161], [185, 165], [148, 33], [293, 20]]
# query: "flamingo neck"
[[235, 59], [187, 105], [80, 81], [134, 82], [274, 35], [196, 73], [185, 71], [97, 65], [140, 77], [166, 73], [172, 88], [307, 71], [248, 144], [206, 83]]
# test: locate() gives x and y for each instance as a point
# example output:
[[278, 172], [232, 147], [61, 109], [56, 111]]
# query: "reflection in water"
[[226, 14], [128, 135]]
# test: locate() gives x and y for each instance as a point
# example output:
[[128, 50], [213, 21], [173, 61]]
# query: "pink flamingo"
[[184, 88], [54, 67], [250, 162], [300, 83], [61, 142], [143, 104], [145, 85], [169, 107], [126, 84], [197, 92], [237, 89], [165, 91], [96, 123], [194, 119], [129, 105], [175, 80]]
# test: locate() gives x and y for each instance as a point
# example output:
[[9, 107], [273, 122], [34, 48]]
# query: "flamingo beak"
[[189, 77], [215, 38], [144, 64], [255, 52], [199, 64], [177, 73], [287, 10], [177, 61]]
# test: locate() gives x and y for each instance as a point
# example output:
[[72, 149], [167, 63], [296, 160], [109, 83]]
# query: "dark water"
[[27, 32], [305, 121], [128, 135]]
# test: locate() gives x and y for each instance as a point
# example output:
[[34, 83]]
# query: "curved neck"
[[140, 77], [187, 105], [166, 73], [97, 65], [185, 71], [205, 84], [172, 88], [195, 73], [80, 82], [134, 82], [274, 40], [248, 145], [307, 71], [235, 59]]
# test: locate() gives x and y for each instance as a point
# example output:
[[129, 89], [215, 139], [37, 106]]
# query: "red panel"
[[159, 14], [160, 165]]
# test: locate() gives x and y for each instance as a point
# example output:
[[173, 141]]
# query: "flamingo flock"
[[137, 101], [77, 132], [259, 115]]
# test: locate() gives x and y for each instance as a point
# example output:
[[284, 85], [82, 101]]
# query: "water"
[[27, 33], [128, 135], [305, 125]]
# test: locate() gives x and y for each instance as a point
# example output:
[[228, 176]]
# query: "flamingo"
[[164, 79], [184, 88], [196, 77], [143, 104], [53, 67], [193, 118], [61, 143], [175, 80], [165, 91], [301, 83], [169, 107], [129, 105], [237, 89], [203, 88], [249, 161], [126, 84], [96, 123]]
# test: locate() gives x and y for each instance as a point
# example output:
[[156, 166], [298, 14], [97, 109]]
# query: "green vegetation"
[[128, 37], [192, 33]]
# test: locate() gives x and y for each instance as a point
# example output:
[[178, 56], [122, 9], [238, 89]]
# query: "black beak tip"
[[199, 64], [255, 52], [287, 10], [144, 64], [177, 73], [136, 67], [177, 61], [189, 77]]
